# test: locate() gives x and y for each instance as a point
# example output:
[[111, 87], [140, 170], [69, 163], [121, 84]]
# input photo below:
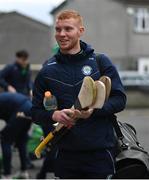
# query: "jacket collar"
[[86, 50]]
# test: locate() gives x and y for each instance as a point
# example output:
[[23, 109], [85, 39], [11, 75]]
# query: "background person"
[[16, 77], [15, 109]]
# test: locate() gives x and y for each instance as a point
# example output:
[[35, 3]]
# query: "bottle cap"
[[47, 94]]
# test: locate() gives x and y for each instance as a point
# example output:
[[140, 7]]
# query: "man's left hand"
[[83, 114]]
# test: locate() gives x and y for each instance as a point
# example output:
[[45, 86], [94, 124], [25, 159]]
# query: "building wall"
[[138, 42], [17, 32], [110, 29], [105, 22]]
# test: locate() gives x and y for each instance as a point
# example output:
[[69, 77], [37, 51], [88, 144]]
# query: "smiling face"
[[67, 33]]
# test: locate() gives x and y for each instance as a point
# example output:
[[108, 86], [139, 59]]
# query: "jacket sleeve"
[[39, 114], [117, 98], [4, 74]]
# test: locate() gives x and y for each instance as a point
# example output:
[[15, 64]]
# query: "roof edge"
[[24, 16], [54, 10]]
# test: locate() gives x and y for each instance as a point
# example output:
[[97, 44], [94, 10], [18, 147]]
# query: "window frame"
[[141, 20]]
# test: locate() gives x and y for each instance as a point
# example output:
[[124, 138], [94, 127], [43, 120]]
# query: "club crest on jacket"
[[87, 70]]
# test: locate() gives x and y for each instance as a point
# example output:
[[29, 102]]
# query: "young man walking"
[[88, 149]]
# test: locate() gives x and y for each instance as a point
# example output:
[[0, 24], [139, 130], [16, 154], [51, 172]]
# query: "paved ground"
[[32, 172], [139, 118]]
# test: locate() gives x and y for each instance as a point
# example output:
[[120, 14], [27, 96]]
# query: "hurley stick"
[[85, 99]]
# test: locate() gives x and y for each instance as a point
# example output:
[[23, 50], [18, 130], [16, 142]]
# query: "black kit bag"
[[132, 161]]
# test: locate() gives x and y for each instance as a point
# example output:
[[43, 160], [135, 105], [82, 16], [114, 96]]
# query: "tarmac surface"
[[139, 118]]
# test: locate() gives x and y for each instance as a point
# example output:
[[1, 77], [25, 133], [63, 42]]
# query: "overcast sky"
[[37, 9]]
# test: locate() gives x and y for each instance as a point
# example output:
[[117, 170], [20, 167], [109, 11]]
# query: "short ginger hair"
[[67, 14]]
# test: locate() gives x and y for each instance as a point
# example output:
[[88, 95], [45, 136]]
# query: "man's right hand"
[[11, 89], [65, 117]]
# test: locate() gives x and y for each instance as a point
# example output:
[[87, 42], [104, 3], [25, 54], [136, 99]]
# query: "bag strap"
[[117, 128], [114, 119], [98, 61]]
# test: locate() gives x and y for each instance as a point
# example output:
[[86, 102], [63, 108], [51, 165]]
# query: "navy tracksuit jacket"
[[87, 150], [63, 76]]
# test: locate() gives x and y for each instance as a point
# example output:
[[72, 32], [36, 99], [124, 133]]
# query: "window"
[[143, 66], [141, 20]]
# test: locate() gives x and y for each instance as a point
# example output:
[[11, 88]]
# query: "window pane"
[[141, 20]]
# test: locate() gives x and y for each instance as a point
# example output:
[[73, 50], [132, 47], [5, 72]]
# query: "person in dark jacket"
[[88, 149], [16, 77], [15, 109]]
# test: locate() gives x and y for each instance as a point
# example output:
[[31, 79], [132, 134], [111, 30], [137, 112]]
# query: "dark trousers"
[[48, 164], [7, 154], [85, 165]]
